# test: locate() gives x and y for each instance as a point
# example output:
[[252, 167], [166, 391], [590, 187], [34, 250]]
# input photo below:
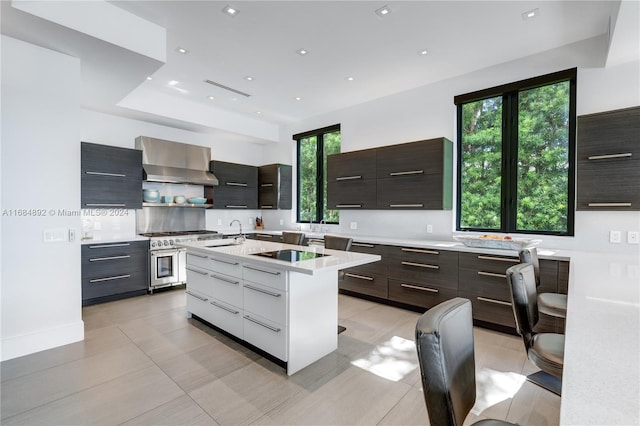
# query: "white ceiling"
[[344, 39]]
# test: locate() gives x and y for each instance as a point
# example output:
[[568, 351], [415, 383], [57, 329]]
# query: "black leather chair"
[[554, 304], [444, 340], [296, 238], [545, 350], [337, 243]]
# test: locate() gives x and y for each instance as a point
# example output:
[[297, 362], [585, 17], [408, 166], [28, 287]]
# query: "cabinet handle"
[[266, 185], [196, 271], [270, 293], [415, 287], [204, 299], [110, 245], [608, 156], [499, 259], [421, 265], [360, 277], [348, 206], [236, 184], [264, 235], [609, 204], [228, 262], [105, 204], [410, 172], [262, 270], [420, 251], [100, 259], [348, 178], [106, 174], [116, 277], [201, 256], [363, 245], [227, 280], [267, 206], [492, 274], [399, 206], [234, 312], [236, 206], [275, 329], [494, 301]]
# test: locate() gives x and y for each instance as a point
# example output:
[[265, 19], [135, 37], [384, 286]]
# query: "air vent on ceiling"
[[222, 86]]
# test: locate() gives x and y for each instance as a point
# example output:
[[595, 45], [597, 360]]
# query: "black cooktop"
[[178, 233], [290, 255]]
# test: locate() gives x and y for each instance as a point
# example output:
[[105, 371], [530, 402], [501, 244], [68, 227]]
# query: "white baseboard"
[[16, 346]]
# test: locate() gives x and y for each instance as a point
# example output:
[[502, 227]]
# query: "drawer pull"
[[227, 280], [105, 204], [609, 204], [196, 271], [421, 265], [204, 299], [275, 329], [499, 259], [116, 277], [266, 206], [201, 256], [410, 172], [110, 245], [348, 206], [267, 292], [262, 270], [234, 312], [363, 245], [266, 185], [100, 259], [106, 174], [360, 277], [609, 156], [415, 287], [494, 301], [420, 251], [236, 184], [235, 206], [264, 235], [348, 178], [405, 205], [228, 262], [492, 274]]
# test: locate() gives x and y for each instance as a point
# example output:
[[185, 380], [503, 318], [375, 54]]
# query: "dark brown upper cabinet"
[[351, 180], [274, 187], [238, 185]]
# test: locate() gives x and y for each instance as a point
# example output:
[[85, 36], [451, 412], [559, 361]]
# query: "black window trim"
[[319, 133], [509, 162]]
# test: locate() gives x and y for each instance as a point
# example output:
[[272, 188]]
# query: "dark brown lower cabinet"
[[369, 279]]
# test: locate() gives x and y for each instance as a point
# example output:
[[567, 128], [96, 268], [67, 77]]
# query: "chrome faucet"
[[323, 229], [240, 225]]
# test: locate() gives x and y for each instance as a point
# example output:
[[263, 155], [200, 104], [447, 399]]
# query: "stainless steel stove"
[[168, 262]]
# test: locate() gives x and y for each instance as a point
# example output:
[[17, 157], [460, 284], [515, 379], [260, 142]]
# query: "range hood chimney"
[[173, 162]]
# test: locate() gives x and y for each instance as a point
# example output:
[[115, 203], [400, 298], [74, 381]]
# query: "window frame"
[[508, 198], [320, 171]]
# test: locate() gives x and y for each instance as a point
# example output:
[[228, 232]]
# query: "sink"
[[225, 242]]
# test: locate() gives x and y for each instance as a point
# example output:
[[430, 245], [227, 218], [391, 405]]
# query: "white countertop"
[[601, 374], [334, 259], [115, 239]]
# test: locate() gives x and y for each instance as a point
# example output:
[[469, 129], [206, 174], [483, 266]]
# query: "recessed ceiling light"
[[383, 11], [298, 98], [149, 77], [302, 52], [182, 50], [423, 52], [231, 11], [210, 98], [248, 78], [530, 14], [258, 112], [349, 78], [173, 82]]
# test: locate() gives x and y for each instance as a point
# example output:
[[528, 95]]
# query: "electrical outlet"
[[97, 226], [281, 221], [72, 234], [353, 225], [633, 237], [429, 229], [55, 235], [615, 237], [219, 222]]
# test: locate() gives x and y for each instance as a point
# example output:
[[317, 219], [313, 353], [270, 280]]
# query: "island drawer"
[[362, 282], [223, 315], [419, 294], [267, 302], [266, 335], [264, 275], [221, 264], [223, 287]]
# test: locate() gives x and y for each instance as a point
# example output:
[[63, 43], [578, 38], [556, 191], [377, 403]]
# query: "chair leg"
[[546, 381]]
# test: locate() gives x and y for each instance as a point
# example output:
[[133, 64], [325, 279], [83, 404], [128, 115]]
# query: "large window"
[[516, 147], [313, 148]]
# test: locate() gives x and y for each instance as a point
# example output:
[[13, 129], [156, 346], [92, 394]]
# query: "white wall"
[[41, 290]]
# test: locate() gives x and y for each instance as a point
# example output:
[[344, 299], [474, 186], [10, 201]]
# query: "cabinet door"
[[238, 188], [410, 192], [111, 176], [427, 266], [369, 279], [422, 157], [352, 195], [349, 166], [274, 187]]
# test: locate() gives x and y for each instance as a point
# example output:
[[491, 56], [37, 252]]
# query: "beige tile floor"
[[144, 363]]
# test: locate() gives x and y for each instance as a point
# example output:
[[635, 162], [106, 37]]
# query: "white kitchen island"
[[287, 309]]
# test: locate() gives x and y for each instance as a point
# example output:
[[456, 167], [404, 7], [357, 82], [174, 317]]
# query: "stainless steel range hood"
[[173, 162]]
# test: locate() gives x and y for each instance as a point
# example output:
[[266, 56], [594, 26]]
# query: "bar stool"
[[553, 304], [293, 238]]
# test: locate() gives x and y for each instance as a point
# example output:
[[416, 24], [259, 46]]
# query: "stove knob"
[[153, 244], [170, 242], [166, 243]]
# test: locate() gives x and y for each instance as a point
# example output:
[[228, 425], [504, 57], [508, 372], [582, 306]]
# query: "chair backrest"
[[293, 238], [524, 299], [337, 243], [530, 255], [444, 340]]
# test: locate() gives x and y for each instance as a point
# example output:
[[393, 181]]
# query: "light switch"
[[55, 235]]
